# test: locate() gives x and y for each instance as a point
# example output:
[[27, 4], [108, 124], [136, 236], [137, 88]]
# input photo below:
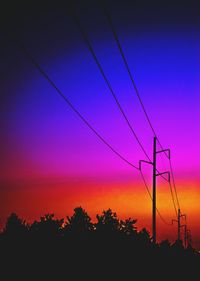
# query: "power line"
[[170, 187], [147, 188], [128, 68], [78, 113], [137, 92], [37, 65], [85, 37], [173, 179], [40, 69]]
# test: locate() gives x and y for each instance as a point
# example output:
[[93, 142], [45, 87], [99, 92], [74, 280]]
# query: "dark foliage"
[[109, 249]]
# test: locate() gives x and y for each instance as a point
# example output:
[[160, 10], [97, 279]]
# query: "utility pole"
[[179, 224], [154, 193], [178, 221], [187, 236], [155, 174]]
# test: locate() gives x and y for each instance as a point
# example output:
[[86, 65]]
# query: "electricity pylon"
[[155, 174], [178, 221]]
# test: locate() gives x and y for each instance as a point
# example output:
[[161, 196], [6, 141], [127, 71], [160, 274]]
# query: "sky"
[[50, 160]]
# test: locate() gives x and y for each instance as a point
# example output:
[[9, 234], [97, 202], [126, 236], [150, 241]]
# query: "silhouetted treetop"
[[96, 236], [15, 226], [128, 226], [79, 222], [107, 222], [144, 236], [47, 226]]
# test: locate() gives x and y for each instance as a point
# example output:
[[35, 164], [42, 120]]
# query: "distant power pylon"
[[155, 174], [179, 225], [187, 236]]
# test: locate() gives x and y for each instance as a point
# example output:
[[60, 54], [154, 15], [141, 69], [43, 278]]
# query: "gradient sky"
[[50, 161]]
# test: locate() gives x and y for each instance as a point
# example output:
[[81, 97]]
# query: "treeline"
[[77, 245]]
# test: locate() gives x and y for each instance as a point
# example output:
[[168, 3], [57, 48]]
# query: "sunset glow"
[[51, 162]]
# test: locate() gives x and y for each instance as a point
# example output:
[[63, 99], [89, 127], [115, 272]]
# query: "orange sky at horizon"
[[30, 201]]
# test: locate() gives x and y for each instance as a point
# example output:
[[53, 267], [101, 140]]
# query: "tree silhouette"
[[79, 222], [111, 247], [107, 222], [47, 226], [128, 226], [144, 238], [15, 226]]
